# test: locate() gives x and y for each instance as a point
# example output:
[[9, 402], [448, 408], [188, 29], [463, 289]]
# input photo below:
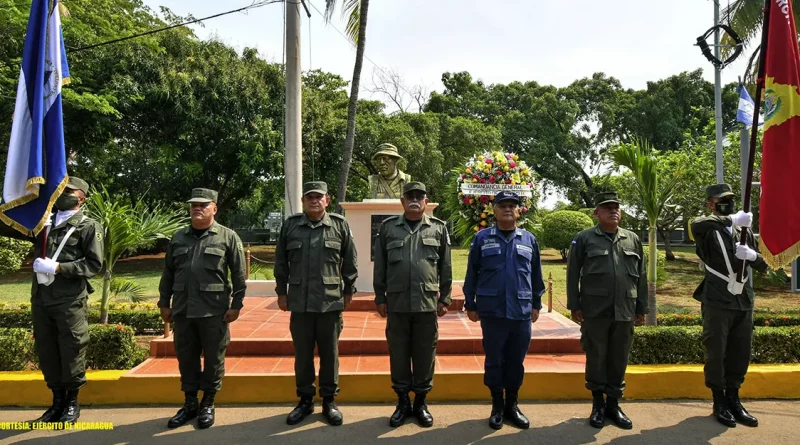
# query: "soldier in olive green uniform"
[[204, 302], [315, 275], [412, 281], [607, 292], [727, 305], [59, 300]]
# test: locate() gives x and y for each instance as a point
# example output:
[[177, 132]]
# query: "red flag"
[[780, 163]]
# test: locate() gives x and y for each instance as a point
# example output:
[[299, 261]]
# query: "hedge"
[[141, 322], [683, 344], [759, 319], [110, 347]]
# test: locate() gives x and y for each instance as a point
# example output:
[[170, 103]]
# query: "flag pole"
[[748, 185]]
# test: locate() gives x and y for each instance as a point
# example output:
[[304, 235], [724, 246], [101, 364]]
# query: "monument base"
[[365, 219]]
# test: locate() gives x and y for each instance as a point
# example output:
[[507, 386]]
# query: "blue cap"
[[506, 196]]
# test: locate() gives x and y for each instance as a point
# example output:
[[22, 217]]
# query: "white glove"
[[742, 219], [745, 253], [49, 221], [45, 265]]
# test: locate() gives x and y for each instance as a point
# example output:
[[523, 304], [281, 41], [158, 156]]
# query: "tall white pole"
[[293, 158]]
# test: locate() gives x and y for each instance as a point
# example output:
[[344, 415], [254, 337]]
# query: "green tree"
[[356, 11], [638, 157], [559, 229], [127, 228]]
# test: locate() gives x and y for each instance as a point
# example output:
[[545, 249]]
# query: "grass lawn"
[[674, 295]]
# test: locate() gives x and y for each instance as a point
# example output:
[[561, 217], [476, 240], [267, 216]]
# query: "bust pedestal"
[[365, 219]]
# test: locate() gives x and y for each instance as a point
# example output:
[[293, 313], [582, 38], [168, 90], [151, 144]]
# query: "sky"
[[498, 41]]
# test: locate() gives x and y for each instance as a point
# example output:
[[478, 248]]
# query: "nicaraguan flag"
[[744, 114], [36, 172]]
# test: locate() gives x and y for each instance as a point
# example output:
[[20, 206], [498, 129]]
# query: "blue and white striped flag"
[[36, 171], [744, 114]]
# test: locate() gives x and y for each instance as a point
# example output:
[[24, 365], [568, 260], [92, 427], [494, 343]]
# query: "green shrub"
[[759, 319], [141, 321], [662, 345], [110, 347], [559, 229], [683, 344], [113, 347], [16, 349], [12, 252]]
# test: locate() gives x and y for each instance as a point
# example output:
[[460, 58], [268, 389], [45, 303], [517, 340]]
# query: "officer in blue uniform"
[[503, 290]]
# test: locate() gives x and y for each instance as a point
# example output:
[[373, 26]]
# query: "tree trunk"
[[667, 245], [652, 262], [349, 140], [106, 294]]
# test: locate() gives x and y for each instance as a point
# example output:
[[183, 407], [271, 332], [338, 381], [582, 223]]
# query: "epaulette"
[[437, 220], [336, 215], [295, 215], [391, 218]]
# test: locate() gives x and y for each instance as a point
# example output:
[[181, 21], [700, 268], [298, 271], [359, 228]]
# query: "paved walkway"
[[663, 422]]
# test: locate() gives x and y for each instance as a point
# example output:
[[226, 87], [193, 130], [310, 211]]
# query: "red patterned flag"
[[780, 164]]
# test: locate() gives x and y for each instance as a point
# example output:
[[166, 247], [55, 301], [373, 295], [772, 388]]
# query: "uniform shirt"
[[713, 290], [195, 276], [504, 274], [412, 270], [315, 263], [80, 259], [607, 277]]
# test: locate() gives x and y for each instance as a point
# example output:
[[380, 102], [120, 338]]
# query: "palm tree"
[[125, 229], [746, 18], [356, 12], [639, 158]]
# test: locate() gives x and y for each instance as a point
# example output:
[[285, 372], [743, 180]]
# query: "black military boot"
[[420, 410], [205, 417], [331, 412], [614, 412], [72, 411], [598, 417], [721, 410], [735, 405], [402, 411], [301, 411], [512, 412], [187, 413], [56, 409], [496, 418]]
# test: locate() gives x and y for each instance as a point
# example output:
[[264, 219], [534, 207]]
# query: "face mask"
[[726, 208], [66, 202]]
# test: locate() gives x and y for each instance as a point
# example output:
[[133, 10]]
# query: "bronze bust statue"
[[389, 183]]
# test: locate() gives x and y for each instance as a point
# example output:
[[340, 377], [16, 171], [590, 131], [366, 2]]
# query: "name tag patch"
[[524, 248]]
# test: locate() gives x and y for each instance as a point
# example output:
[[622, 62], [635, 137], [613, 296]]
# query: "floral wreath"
[[481, 177]]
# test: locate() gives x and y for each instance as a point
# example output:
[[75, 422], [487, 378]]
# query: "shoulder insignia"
[[433, 218], [98, 235], [295, 215], [337, 216], [390, 218]]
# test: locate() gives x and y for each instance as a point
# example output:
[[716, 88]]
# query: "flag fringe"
[[24, 230], [780, 259], [34, 193]]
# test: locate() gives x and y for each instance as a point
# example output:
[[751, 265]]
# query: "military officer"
[[315, 275], [198, 299], [727, 304], [59, 299], [607, 293], [412, 280], [504, 272]]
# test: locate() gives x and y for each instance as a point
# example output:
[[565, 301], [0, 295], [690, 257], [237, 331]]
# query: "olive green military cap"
[[604, 198], [718, 191], [203, 195], [75, 183], [388, 150], [414, 185], [315, 187]]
